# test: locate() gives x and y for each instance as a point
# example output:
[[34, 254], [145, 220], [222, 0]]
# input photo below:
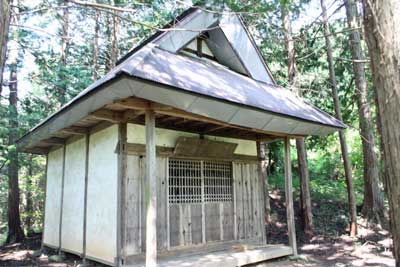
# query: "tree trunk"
[[263, 171], [305, 199], [64, 50], [96, 47], [15, 233], [373, 203], [112, 32], [4, 28], [114, 45], [342, 137], [382, 34]]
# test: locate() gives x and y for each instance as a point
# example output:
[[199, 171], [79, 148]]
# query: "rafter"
[[53, 141], [75, 130]]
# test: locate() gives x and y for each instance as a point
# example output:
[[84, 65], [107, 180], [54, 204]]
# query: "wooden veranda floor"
[[224, 255]]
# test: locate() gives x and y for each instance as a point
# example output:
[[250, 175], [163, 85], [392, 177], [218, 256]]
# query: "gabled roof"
[[156, 72]]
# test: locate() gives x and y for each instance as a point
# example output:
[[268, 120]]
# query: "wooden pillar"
[[45, 203], [289, 198], [151, 191], [122, 165], [62, 200], [87, 139], [263, 191]]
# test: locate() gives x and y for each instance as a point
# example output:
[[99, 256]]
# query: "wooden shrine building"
[[156, 163]]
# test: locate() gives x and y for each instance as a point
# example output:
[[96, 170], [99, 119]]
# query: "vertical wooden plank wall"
[[248, 198], [182, 224], [135, 207]]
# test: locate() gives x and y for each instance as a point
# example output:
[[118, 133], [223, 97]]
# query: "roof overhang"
[[124, 98]]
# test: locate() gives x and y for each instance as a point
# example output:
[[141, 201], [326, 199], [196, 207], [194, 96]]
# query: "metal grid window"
[[184, 183], [217, 181], [194, 181]]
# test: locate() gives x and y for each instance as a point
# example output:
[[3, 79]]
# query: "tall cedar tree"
[[305, 199], [382, 35], [5, 14], [342, 137], [64, 50], [373, 203], [15, 233], [96, 46]]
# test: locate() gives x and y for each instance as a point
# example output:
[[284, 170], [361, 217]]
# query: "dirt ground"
[[329, 247]]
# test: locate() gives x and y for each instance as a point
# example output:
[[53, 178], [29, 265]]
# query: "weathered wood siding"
[[181, 225], [135, 220], [249, 199]]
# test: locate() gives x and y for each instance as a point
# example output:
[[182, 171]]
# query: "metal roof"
[[248, 102], [211, 79]]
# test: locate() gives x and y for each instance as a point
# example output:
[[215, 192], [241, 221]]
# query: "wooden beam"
[[76, 130], [289, 197], [133, 103], [44, 211], [139, 104], [190, 116], [214, 128], [121, 201], [168, 118], [53, 141], [62, 201], [107, 115], [183, 121], [130, 115], [87, 139], [151, 191]]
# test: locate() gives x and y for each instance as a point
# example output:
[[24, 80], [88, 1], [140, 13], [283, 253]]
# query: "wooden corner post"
[[151, 191], [289, 198], [122, 165], [87, 143], [60, 229]]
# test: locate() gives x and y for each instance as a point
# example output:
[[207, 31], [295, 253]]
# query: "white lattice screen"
[[194, 181]]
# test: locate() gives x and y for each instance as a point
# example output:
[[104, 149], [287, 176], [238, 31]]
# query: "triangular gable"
[[199, 47], [227, 38]]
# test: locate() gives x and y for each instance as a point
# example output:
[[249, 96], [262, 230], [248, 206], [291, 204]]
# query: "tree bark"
[[382, 35], [305, 199], [5, 14], [112, 32], [342, 137], [15, 233], [64, 50], [96, 47], [373, 203], [263, 172]]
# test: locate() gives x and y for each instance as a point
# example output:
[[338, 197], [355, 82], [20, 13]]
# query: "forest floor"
[[330, 245]]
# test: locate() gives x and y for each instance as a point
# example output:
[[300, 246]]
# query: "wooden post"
[[87, 139], [289, 198], [122, 162], [62, 200], [264, 194], [151, 191], [44, 206]]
